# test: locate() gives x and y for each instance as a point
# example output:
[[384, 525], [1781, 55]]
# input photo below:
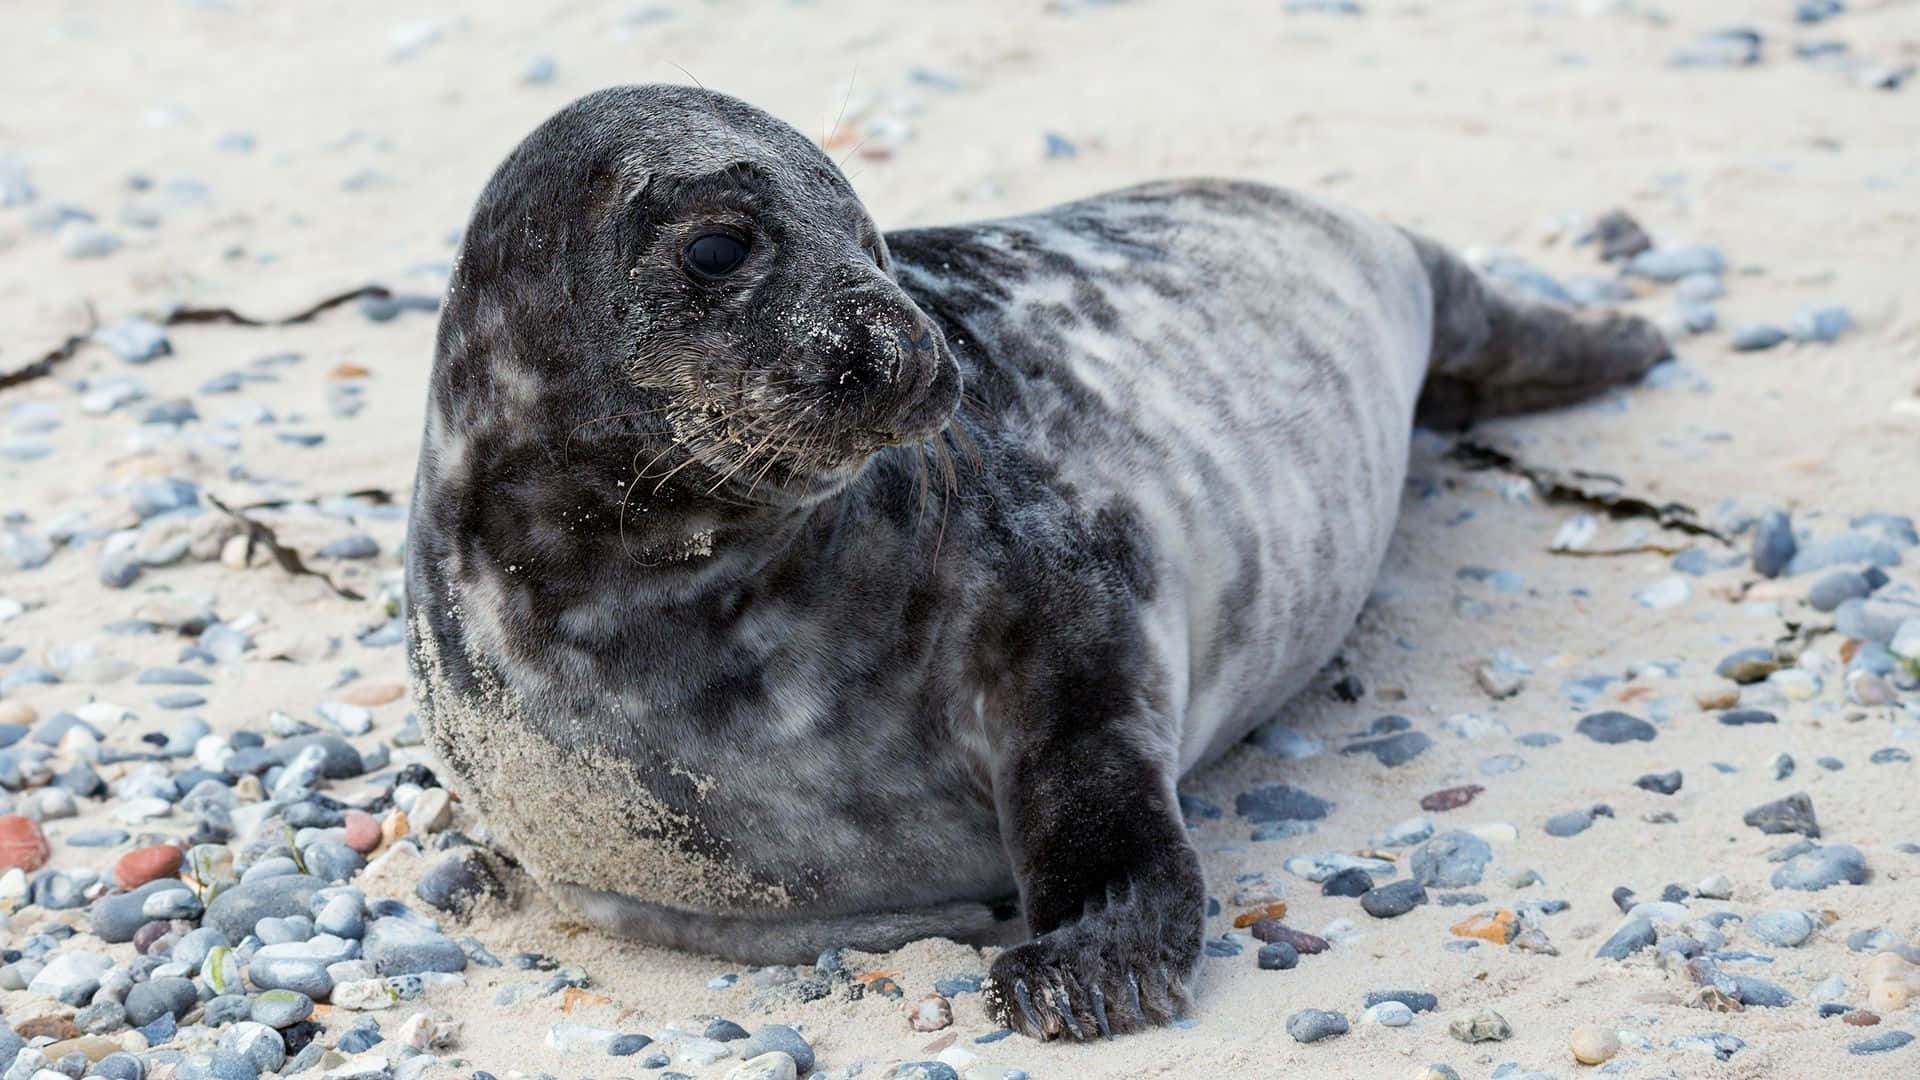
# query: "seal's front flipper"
[[1109, 882]]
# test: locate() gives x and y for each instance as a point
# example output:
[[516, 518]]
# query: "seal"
[[777, 584]]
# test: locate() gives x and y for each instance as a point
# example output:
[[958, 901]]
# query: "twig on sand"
[[227, 315], [59, 354], [259, 535], [1637, 549], [1576, 486]]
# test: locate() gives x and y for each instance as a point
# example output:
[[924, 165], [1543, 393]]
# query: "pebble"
[[1592, 1045], [458, 881], [779, 1038], [1483, 1026], [154, 998], [930, 1013], [1615, 727], [1387, 1014], [1879, 1044], [1670, 264], [1787, 929], [1820, 323], [1714, 887], [398, 946], [1393, 899], [1823, 867], [1277, 956], [236, 909], [142, 865], [1280, 802], [280, 1008], [1755, 337], [1570, 823], [1774, 545], [22, 844], [1793, 814], [1312, 1025], [1666, 783], [1451, 860]]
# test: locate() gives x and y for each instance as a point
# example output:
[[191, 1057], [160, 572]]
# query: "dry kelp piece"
[[1582, 487], [59, 354], [227, 315], [373, 496], [261, 535]]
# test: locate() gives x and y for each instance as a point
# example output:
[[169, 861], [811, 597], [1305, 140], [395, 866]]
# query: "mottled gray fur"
[[885, 587]]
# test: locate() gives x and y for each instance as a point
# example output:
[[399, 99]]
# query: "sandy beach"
[[264, 157]]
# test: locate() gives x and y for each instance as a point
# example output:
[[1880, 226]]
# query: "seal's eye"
[[715, 255], [873, 252]]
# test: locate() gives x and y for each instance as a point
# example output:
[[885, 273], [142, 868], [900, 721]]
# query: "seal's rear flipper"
[[1496, 352]]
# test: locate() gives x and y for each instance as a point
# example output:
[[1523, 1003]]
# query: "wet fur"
[[890, 703]]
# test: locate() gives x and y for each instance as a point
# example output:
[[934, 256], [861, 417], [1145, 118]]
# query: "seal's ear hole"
[[715, 255]]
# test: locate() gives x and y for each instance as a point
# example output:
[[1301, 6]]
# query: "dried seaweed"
[[227, 315], [57, 355], [259, 535], [1577, 486], [376, 496]]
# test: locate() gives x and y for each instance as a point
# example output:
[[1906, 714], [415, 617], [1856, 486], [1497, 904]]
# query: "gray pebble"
[[1451, 860], [1393, 899], [1312, 1025], [1821, 868], [1614, 727], [402, 947], [1755, 337]]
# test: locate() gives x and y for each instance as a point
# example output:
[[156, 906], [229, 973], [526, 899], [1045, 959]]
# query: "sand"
[[1482, 122]]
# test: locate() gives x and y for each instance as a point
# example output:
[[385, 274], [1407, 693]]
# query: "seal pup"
[[777, 584]]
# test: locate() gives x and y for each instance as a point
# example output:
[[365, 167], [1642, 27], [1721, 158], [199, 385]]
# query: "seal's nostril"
[[904, 340], [926, 339]]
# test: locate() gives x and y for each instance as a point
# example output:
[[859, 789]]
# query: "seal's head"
[[675, 268]]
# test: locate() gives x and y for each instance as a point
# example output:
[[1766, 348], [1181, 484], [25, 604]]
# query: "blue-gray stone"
[[1843, 550], [1633, 935], [150, 1000], [1821, 868], [1820, 322], [1673, 263], [1394, 750], [1451, 860], [332, 860], [1837, 588], [398, 946], [1879, 1044], [1755, 337], [237, 908], [342, 761], [1615, 727], [1393, 899], [1813, 11], [1570, 823], [1277, 956], [1773, 543], [1731, 47], [280, 1008], [1418, 1000], [1786, 929], [1744, 717], [299, 974], [115, 917], [785, 1040], [1280, 802], [135, 340], [356, 546], [1312, 1025], [172, 677]]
